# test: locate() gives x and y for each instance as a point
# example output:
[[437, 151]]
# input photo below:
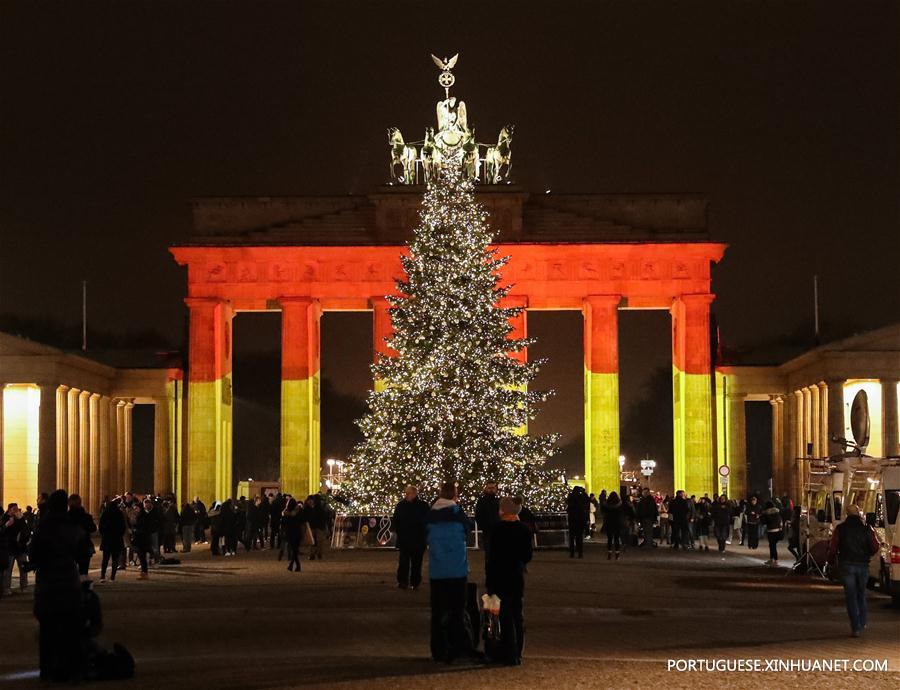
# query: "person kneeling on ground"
[[509, 553], [448, 569]]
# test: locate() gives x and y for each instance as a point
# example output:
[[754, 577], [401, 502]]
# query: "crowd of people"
[[56, 541], [682, 522]]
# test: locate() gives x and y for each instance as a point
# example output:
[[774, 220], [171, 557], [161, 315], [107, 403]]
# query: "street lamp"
[[330, 462], [621, 464]]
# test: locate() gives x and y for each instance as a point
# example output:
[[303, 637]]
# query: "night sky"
[[785, 114]]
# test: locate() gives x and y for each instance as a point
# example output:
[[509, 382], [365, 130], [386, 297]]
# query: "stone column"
[[797, 450], [777, 468], [601, 392], [889, 415], [84, 446], [121, 482], [103, 448], [62, 438], [835, 415], [300, 404], [807, 422], [815, 422], [519, 331], [93, 483], [47, 439], [3, 502], [823, 418], [209, 400], [694, 469], [128, 460], [73, 436], [381, 329], [737, 447], [161, 473]]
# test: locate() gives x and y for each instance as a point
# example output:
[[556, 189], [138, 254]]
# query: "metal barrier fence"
[[375, 532]]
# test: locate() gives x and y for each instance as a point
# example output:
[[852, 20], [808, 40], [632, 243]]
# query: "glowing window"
[[21, 433], [873, 391]]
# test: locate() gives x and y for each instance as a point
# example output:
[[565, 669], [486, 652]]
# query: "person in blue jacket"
[[448, 571]]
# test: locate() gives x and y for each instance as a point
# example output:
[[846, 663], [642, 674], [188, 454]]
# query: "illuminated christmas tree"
[[452, 404]]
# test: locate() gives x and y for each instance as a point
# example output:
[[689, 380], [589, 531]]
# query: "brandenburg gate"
[[302, 256]]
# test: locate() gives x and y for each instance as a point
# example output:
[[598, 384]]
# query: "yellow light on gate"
[[21, 435]]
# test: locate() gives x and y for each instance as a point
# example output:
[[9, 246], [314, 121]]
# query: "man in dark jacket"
[[853, 544], [487, 512], [275, 511], [679, 509], [15, 536], [578, 511], [80, 517], [510, 552], [409, 524], [57, 544], [112, 537], [647, 512], [202, 523], [188, 522], [720, 514]]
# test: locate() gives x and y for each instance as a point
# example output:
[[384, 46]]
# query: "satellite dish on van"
[[859, 419]]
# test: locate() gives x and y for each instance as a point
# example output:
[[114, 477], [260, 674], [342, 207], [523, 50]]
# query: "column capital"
[[203, 302], [95, 396], [697, 299], [300, 301], [602, 301]]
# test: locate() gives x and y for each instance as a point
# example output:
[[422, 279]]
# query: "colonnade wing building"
[[302, 256], [805, 402], [66, 422]]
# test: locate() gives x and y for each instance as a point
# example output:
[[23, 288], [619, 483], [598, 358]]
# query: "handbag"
[[490, 618]]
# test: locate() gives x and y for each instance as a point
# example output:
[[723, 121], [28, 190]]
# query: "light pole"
[[331, 463], [621, 467]]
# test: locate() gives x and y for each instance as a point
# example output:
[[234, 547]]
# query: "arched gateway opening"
[[304, 256]]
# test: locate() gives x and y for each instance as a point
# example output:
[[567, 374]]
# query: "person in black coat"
[[647, 512], [409, 524], [14, 534], [112, 537], [487, 513], [680, 510], [505, 561], [202, 523], [721, 519], [57, 545], [188, 522], [613, 522], [145, 526], [753, 515], [79, 516], [275, 511], [293, 523], [228, 526], [578, 507]]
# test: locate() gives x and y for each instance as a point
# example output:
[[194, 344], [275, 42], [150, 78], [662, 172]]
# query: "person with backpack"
[[852, 545], [772, 518]]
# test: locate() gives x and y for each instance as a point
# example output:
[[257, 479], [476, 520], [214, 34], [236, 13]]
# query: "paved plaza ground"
[[247, 622]]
